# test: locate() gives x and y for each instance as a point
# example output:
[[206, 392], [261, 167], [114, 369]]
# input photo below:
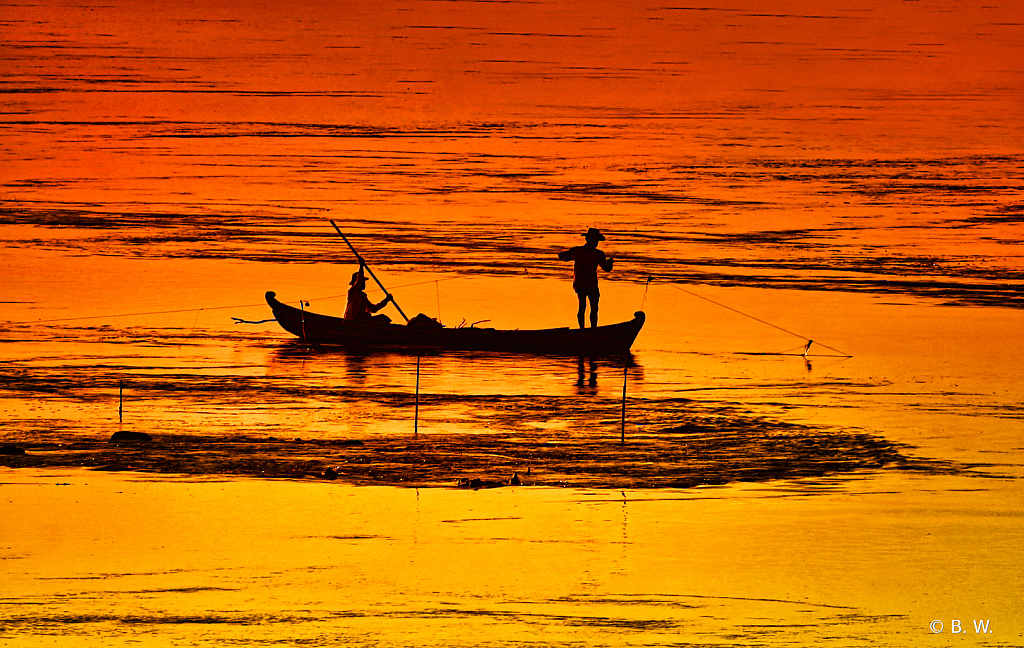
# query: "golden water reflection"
[[214, 561]]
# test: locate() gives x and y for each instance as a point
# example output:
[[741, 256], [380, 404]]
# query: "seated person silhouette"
[[359, 307]]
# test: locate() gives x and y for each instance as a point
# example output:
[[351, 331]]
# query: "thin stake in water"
[[120, 401], [416, 416], [625, 373]]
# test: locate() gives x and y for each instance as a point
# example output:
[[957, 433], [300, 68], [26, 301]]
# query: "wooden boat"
[[614, 339]]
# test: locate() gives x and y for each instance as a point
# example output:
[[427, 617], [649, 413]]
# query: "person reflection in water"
[[359, 305], [586, 260], [581, 373]]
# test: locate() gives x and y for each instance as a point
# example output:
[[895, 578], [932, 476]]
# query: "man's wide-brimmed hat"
[[356, 276], [594, 233]]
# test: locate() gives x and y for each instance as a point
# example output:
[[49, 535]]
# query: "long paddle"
[[362, 262]]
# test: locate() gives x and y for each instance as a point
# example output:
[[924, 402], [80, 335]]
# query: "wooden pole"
[[120, 401], [625, 372], [362, 263], [416, 415]]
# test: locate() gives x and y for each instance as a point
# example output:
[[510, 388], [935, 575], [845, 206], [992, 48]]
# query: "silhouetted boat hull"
[[322, 329]]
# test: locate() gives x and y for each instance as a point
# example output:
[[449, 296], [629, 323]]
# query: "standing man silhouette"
[[586, 259]]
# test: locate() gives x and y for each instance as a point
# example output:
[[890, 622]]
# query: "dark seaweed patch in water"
[[698, 452], [60, 624], [589, 621], [248, 427]]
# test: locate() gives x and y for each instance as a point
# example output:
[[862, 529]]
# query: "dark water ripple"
[[801, 259], [569, 440], [214, 418], [702, 451]]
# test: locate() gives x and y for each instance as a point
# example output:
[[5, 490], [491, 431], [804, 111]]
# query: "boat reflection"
[[458, 372]]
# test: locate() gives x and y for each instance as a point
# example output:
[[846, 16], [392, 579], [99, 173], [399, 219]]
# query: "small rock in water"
[[11, 450], [123, 436], [329, 473]]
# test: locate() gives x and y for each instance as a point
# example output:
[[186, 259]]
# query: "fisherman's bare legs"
[[581, 315]]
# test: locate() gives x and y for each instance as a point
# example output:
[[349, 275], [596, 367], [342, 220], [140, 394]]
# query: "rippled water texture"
[[870, 147]]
